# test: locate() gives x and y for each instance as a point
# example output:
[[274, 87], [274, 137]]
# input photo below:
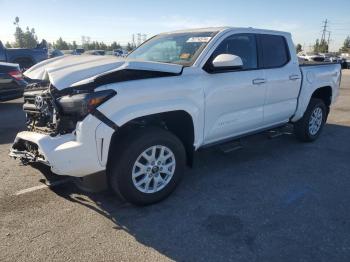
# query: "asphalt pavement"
[[274, 200]]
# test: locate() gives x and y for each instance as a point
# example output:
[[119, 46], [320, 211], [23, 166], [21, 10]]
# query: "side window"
[[274, 49], [242, 45]]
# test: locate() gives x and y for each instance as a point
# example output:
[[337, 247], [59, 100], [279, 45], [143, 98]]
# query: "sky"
[[110, 21]]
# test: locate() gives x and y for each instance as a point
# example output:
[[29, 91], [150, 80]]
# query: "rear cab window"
[[273, 51]]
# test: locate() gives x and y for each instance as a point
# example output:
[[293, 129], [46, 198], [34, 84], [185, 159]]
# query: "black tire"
[[301, 127], [122, 164]]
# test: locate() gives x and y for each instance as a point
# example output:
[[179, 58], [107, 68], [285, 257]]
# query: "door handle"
[[259, 81], [294, 77]]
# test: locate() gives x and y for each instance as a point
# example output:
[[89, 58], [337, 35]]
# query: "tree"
[[8, 45], [27, 39], [346, 46], [321, 46], [74, 45], [299, 48], [30, 39], [19, 37], [115, 46], [43, 44], [60, 44], [129, 47]]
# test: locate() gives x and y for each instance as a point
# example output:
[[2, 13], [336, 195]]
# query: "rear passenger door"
[[283, 78]]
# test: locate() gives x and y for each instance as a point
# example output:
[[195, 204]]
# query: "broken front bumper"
[[72, 154]]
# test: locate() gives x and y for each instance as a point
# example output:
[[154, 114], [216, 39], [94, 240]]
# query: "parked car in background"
[[25, 57], [335, 59], [55, 53], [120, 52], [109, 53], [12, 83], [345, 62], [311, 56], [79, 51], [67, 52], [326, 57], [95, 52], [194, 88], [71, 52]]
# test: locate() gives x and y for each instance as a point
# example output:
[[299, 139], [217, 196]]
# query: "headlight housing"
[[80, 105]]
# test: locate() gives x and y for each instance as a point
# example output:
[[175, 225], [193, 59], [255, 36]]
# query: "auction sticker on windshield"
[[199, 39]]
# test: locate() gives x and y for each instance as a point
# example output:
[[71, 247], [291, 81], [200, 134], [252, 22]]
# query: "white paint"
[[226, 60], [72, 70], [49, 185]]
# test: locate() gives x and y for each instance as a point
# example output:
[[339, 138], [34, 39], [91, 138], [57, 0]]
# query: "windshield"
[[177, 48]]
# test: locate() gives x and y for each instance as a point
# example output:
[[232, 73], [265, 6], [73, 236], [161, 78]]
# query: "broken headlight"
[[80, 105]]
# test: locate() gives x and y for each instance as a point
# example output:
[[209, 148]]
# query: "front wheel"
[[309, 127], [148, 166]]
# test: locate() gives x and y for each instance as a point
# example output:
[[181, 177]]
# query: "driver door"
[[234, 97]]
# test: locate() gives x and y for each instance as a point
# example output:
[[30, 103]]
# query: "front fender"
[[120, 118], [135, 111]]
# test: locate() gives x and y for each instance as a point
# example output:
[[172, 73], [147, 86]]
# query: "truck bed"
[[312, 63]]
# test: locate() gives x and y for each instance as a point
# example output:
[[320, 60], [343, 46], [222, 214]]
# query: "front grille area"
[[39, 108], [29, 101]]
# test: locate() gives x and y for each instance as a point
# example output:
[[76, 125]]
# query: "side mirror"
[[227, 60]]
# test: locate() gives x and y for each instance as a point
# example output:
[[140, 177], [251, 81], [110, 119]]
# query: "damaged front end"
[[27, 152], [51, 118], [54, 112], [61, 104]]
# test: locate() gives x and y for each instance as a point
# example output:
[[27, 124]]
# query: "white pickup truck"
[[141, 119]]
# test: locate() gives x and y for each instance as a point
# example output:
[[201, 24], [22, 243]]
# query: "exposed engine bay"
[[51, 111], [45, 112]]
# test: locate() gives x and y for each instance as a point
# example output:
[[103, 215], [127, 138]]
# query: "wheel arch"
[[179, 122], [324, 93]]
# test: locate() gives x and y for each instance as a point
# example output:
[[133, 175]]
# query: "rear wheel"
[[148, 166], [309, 127]]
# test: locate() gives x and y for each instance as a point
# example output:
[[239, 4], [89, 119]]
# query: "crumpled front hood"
[[70, 71]]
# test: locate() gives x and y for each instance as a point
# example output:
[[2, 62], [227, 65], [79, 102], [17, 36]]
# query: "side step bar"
[[285, 130], [231, 146], [237, 144]]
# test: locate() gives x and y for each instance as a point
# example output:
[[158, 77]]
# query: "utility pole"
[[324, 43], [329, 37], [324, 30], [138, 39]]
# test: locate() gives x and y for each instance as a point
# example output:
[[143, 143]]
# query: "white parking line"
[[34, 188]]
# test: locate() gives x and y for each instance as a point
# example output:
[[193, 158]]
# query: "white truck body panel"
[[314, 78], [221, 106], [68, 71]]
